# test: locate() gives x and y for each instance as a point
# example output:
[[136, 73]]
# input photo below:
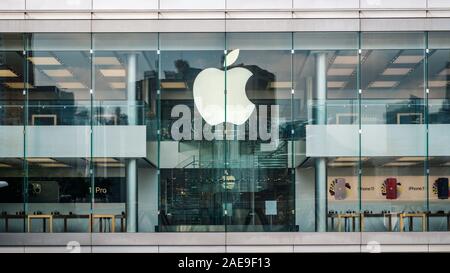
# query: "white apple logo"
[[209, 93]]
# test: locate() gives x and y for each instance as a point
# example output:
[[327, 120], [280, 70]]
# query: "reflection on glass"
[[191, 158], [258, 156], [393, 135]]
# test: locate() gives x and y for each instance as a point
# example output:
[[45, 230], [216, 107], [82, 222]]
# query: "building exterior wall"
[[101, 116]]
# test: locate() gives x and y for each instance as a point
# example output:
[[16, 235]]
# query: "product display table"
[[346, 217], [387, 215], [107, 217], [411, 217], [71, 216], [7, 217], [65, 217], [44, 218], [439, 214]]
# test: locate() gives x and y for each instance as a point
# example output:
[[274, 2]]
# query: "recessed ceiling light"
[[71, 85], [382, 84], [445, 72], [53, 165], [173, 85], [340, 71], [106, 61], [117, 85], [350, 159], [336, 84], [412, 158], [3, 165], [396, 71], [57, 73], [437, 83], [342, 164], [113, 72], [346, 60], [44, 61], [411, 59], [6, 73], [280, 85], [102, 160], [400, 164], [18, 85], [446, 164], [111, 165], [40, 160]]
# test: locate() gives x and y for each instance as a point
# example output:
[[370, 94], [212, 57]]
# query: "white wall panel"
[[326, 4], [125, 5], [58, 4], [74, 141], [438, 4], [12, 4], [387, 4], [13, 135], [193, 5], [259, 4]]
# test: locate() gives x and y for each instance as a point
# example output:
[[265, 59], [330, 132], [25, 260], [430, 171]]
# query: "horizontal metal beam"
[[218, 10]]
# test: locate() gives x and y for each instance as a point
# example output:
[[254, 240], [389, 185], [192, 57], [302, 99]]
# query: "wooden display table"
[[377, 215], [411, 217], [102, 217], [44, 217]]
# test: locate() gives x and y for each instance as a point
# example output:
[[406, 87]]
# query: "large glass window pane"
[[439, 121], [393, 138], [57, 155], [125, 73], [12, 102], [326, 121], [258, 114], [192, 154]]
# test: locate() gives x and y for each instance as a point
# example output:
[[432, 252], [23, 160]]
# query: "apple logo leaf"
[[231, 58]]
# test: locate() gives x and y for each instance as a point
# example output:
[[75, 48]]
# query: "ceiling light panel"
[[6, 73], [437, 84], [346, 60], [382, 84], [173, 85], [411, 59], [106, 61], [396, 71], [40, 160], [280, 85], [400, 164], [412, 158], [117, 85], [44, 61], [113, 72], [53, 165], [71, 85], [340, 71], [57, 73], [18, 85], [333, 84]]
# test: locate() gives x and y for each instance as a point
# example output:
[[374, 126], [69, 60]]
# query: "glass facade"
[[224, 132]]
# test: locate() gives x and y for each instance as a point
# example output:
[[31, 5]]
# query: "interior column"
[[320, 117], [131, 164]]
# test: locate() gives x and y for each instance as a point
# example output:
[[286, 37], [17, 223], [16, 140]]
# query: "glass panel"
[[124, 123], [260, 195], [439, 120], [57, 155], [326, 119], [393, 140], [191, 159], [12, 102]]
